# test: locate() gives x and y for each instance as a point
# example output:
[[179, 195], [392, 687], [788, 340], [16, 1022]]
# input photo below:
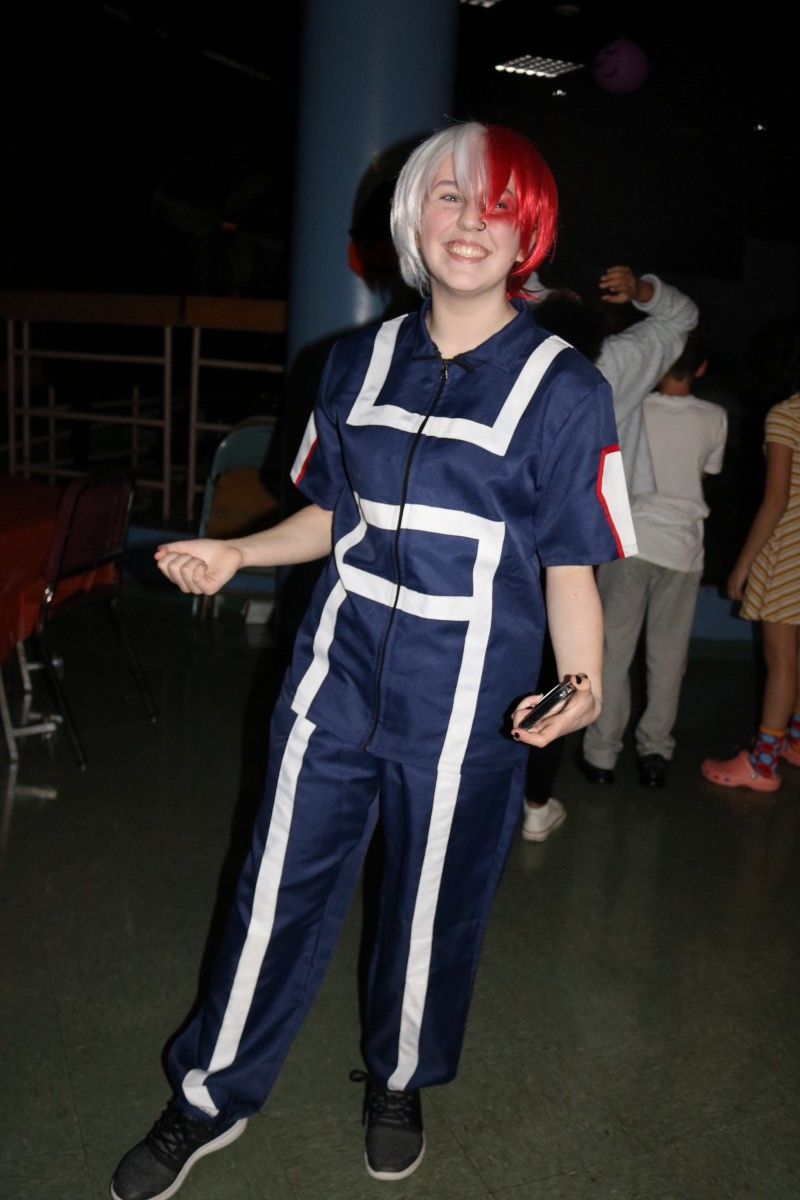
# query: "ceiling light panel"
[[535, 64]]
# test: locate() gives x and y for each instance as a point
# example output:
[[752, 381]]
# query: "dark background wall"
[[150, 147]]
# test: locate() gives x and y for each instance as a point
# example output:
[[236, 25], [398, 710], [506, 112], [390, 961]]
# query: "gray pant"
[[633, 590]]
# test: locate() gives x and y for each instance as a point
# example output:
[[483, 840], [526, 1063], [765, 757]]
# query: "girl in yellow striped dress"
[[766, 578]]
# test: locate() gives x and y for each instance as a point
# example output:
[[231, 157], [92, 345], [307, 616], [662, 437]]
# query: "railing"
[[38, 326], [204, 313]]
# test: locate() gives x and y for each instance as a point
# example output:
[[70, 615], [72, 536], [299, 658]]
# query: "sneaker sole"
[[388, 1176], [541, 835], [219, 1143]]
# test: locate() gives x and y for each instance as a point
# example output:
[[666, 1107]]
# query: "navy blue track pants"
[[447, 836]]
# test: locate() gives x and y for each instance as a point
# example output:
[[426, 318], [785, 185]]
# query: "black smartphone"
[[562, 691]]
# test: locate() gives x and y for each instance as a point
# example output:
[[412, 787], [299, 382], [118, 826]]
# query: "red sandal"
[[738, 772], [790, 755]]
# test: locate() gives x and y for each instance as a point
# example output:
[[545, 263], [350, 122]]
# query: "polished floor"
[[634, 1034]]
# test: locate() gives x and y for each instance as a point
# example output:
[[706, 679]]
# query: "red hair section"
[[511, 156]]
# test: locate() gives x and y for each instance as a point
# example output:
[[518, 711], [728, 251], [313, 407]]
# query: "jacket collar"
[[503, 349]]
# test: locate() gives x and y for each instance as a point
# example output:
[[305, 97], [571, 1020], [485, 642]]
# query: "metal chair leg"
[[27, 668], [60, 697], [24, 669], [130, 654], [8, 727], [30, 722]]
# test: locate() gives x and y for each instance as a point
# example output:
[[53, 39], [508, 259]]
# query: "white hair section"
[[466, 144]]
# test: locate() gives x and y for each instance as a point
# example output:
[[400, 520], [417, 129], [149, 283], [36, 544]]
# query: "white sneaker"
[[539, 823]]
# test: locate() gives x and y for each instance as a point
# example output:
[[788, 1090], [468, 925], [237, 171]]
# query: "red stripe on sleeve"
[[601, 496], [298, 478]]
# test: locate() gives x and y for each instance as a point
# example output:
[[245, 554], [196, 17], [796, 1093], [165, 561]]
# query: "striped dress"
[[773, 585]]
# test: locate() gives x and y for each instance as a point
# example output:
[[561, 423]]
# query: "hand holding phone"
[[561, 692]]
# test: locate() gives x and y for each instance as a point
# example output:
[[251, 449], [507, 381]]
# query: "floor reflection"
[[634, 1030]]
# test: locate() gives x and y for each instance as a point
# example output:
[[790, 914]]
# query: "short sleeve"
[[713, 464], [317, 469], [781, 426], [583, 515]]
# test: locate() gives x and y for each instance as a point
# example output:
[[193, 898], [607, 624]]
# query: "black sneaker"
[[395, 1141], [155, 1168], [599, 775], [652, 770]]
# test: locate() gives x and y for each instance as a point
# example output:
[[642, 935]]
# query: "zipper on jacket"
[[376, 706]]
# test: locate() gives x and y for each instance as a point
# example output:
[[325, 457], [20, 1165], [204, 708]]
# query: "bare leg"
[[758, 769], [781, 687]]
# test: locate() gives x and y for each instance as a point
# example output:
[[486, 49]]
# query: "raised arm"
[[575, 619], [619, 285], [202, 566], [633, 361]]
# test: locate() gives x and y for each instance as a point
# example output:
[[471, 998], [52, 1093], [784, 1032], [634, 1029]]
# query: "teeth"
[[466, 251]]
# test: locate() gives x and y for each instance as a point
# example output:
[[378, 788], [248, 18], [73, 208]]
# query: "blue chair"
[[236, 502]]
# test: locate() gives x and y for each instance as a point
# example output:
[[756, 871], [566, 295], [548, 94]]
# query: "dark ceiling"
[[675, 173], [132, 117]]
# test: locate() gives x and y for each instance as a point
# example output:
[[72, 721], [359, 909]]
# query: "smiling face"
[[483, 159], [468, 251]]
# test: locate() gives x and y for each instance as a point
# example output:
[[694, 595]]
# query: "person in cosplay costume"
[[453, 453]]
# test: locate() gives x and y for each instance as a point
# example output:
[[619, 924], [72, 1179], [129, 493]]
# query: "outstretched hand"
[[582, 708], [199, 567]]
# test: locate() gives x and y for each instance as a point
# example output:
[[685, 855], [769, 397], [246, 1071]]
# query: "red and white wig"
[[485, 158]]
